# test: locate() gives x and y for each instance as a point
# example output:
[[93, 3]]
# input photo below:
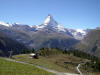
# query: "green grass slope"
[[60, 62], [13, 68]]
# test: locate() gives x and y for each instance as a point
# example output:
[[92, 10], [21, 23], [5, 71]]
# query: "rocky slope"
[[91, 43], [7, 44]]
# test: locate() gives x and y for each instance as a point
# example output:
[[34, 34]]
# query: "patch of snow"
[[30, 26], [77, 33], [39, 26], [81, 31], [47, 20], [60, 28], [5, 24], [16, 23]]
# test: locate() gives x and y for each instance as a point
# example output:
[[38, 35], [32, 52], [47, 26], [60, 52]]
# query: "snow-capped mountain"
[[50, 23]]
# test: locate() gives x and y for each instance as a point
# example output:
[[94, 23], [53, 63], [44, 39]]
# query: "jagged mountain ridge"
[[50, 23]]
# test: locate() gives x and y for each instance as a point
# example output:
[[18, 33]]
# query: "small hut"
[[33, 55]]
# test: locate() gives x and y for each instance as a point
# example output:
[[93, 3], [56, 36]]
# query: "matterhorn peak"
[[50, 21]]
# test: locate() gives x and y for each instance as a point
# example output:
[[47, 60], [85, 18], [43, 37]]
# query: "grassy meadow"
[[60, 62]]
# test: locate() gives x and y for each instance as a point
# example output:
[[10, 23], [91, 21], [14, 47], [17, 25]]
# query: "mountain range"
[[48, 34]]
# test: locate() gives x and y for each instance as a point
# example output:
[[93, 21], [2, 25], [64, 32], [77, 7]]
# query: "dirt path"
[[49, 70], [79, 69]]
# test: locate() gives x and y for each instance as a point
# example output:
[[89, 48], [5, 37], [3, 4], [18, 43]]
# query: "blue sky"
[[69, 13]]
